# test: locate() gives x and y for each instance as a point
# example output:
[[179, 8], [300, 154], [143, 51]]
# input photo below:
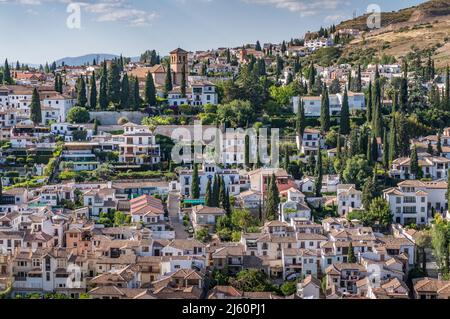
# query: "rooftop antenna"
[[354, 14]]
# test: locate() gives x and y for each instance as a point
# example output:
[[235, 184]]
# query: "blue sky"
[[35, 31]]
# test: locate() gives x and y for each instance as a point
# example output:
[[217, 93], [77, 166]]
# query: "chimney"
[[382, 257]]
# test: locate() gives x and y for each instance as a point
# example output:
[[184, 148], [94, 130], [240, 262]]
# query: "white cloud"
[[102, 10], [303, 7], [335, 18]]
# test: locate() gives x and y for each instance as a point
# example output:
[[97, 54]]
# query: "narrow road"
[[173, 208]]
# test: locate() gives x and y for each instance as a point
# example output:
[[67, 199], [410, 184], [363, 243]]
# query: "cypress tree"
[[35, 108], [430, 149], [125, 93], [318, 176], [137, 96], [350, 81], [301, 120], [414, 163], [114, 83], [149, 91], [208, 196], [439, 145], [447, 89], [93, 91], [227, 203], [351, 258], [258, 46], [95, 127], [358, 86], [183, 81], [286, 158], [385, 150], [273, 199], [325, 111], [195, 188], [222, 193], [312, 77], [81, 92], [392, 140], [345, 115], [7, 79], [103, 92], [215, 192], [168, 81], [404, 89], [56, 86], [374, 149], [369, 103], [368, 192], [403, 136]]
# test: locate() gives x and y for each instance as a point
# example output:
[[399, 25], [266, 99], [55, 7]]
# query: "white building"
[[310, 142], [139, 146], [349, 198], [412, 201], [433, 167], [205, 173], [199, 93]]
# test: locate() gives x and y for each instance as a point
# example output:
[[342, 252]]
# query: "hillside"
[[84, 59], [427, 10], [422, 28]]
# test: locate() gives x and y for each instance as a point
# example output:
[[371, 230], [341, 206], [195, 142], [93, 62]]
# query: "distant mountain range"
[[89, 58]]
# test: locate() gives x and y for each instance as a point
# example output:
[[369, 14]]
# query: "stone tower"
[[178, 59]]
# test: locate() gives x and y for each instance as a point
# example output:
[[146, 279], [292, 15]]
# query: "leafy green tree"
[[440, 241], [78, 115], [356, 170], [251, 280], [241, 219], [149, 91], [119, 219], [379, 214], [35, 108], [289, 288], [423, 241], [202, 235], [195, 188], [235, 114]]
